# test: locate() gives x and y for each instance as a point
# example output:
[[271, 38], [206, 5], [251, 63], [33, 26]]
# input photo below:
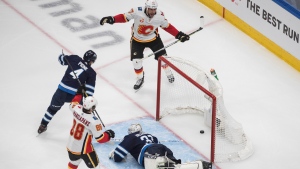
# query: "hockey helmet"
[[152, 4], [89, 102], [134, 128], [90, 56]]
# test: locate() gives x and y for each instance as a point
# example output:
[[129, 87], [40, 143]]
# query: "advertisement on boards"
[[270, 19]]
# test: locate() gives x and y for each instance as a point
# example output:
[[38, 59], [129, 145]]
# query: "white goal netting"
[[230, 141]]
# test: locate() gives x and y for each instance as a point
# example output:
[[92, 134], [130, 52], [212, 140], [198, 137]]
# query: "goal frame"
[[208, 93]]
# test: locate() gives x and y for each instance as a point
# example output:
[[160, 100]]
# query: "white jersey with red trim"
[[85, 126], [145, 29]]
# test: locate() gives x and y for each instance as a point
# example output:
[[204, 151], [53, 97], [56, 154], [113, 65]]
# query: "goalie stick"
[[95, 111], [161, 141], [199, 29]]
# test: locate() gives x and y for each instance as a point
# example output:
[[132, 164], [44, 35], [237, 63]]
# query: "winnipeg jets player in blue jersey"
[[139, 144], [68, 86], [149, 153]]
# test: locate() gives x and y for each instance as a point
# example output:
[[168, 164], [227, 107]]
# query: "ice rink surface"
[[261, 91]]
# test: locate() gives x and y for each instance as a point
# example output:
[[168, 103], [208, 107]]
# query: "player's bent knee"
[[137, 63]]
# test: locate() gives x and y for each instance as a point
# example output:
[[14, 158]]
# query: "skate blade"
[[138, 89]]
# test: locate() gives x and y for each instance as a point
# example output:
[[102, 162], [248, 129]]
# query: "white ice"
[[261, 91]]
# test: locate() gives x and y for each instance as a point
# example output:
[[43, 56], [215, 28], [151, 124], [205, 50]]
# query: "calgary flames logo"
[[145, 29]]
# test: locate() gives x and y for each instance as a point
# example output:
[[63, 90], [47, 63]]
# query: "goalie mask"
[[134, 128], [90, 56], [90, 102]]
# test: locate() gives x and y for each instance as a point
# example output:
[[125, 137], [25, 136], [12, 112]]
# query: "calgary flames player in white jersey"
[[85, 127], [145, 34]]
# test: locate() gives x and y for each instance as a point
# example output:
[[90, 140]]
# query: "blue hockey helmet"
[[90, 56]]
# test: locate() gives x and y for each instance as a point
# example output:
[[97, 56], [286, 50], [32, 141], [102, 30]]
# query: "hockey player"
[[147, 19], [69, 83], [85, 127], [148, 152]]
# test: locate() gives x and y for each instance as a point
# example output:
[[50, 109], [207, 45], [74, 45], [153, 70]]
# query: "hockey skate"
[[42, 129], [139, 83], [171, 78], [206, 165]]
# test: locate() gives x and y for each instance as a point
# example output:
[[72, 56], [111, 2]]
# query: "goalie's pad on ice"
[[157, 162], [163, 162], [195, 165]]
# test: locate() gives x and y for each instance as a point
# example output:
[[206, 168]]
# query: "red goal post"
[[197, 91]]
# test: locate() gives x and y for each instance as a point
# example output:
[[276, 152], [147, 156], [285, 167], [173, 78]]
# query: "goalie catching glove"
[[107, 19], [182, 36]]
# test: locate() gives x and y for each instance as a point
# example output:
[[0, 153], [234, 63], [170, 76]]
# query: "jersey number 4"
[[77, 73], [77, 130]]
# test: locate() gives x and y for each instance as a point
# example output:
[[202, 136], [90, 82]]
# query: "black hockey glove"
[[110, 133], [81, 89], [182, 36], [107, 19]]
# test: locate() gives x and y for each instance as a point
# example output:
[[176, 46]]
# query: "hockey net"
[[197, 91]]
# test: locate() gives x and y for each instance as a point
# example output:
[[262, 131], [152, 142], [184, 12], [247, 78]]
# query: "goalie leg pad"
[[195, 165], [157, 162]]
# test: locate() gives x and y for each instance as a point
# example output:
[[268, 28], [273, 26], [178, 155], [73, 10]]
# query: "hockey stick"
[[199, 29], [84, 91], [161, 141]]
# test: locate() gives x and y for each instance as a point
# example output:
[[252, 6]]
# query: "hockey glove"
[[110, 133], [81, 89], [111, 154], [182, 36], [107, 19], [61, 59]]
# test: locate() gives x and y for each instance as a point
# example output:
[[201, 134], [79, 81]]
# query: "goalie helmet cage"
[[197, 91]]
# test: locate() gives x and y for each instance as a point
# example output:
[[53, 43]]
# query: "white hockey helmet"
[[134, 128], [89, 102], [152, 4]]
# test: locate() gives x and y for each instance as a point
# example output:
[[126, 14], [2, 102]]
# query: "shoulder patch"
[[140, 8], [95, 118]]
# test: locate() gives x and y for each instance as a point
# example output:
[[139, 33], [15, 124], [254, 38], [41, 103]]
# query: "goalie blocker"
[[163, 162]]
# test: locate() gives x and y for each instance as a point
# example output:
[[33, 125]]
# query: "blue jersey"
[[135, 144], [84, 72]]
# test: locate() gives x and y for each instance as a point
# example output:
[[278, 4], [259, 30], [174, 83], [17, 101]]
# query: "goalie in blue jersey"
[[79, 70], [149, 153]]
